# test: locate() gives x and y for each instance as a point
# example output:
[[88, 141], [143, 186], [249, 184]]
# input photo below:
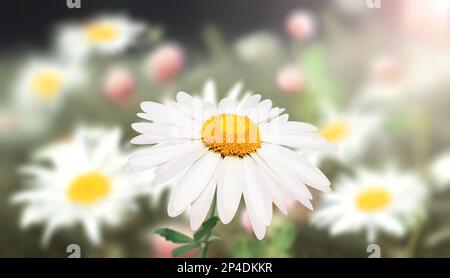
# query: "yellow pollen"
[[336, 131], [46, 84], [373, 199], [101, 32], [231, 135], [88, 188]]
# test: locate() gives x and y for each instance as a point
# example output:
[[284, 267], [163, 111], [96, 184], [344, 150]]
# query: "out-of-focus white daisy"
[[351, 132], [84, 184], [237, 148], [107, 34], [45, 83], [373, 202], [260, 47], [440, 171]]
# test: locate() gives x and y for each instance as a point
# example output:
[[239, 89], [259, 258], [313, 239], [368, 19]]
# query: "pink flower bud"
[[300, 25], [385, 69], [118, 84], [290, 80], [166, 62], [245, 222]]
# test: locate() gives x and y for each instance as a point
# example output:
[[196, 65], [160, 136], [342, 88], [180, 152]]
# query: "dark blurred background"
[[231, 17]]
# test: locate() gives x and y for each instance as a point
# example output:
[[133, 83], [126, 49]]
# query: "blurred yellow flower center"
[[88, 188], [373, 199], [336, 131], [231, 135], [46, 84], [101, 32]]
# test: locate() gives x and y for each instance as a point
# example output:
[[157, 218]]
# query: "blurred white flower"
[[106, 34], [291, 80], [440, 171], [119, 84], [45, 83], [300, 25], [235, 148], [373, 201], [260, 47], [84, 184], [352, 7], [165, 62], [351, 132]]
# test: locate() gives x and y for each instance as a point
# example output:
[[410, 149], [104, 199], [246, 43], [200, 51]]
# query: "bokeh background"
[[392, 62]]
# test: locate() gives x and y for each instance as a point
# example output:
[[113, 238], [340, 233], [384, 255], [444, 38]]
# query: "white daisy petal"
[[201, 206], [193, 183], [170, 169], [255, 195], [209, 91], [229, 189], [160, 154]]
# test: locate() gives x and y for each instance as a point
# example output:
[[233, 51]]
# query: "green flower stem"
[[205, 243]]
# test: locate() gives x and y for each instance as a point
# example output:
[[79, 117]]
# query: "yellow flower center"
[[231, 135], [88, 188], [46, 84], [336, 131], [373, 199], [101, 32]]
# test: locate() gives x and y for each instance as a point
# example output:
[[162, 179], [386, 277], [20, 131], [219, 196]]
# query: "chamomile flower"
[[106, 34], [228, 149], [440, 171], [373, 202], [45, 83], [83, 183], [350, 132]]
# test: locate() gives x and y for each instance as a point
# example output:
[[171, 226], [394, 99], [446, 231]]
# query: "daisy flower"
[[373, 202], [350, 132], [107, 34], [45, 82], [83, 184], [228, 149], [440, 170], [259, 47]]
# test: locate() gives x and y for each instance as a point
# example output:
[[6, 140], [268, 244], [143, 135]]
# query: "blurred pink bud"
[[163, 248], [166, 62], [118, 85], [385, 69], [245, 222], [290, 80], [300, 25]]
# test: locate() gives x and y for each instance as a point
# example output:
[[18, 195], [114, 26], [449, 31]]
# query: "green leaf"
[[185, 248], [173, 235], [206, 227], [284, 237]]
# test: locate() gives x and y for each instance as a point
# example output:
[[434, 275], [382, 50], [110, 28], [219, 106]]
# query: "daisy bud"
[[300, 25], [118, 85], [290, 80], [166, 62]]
